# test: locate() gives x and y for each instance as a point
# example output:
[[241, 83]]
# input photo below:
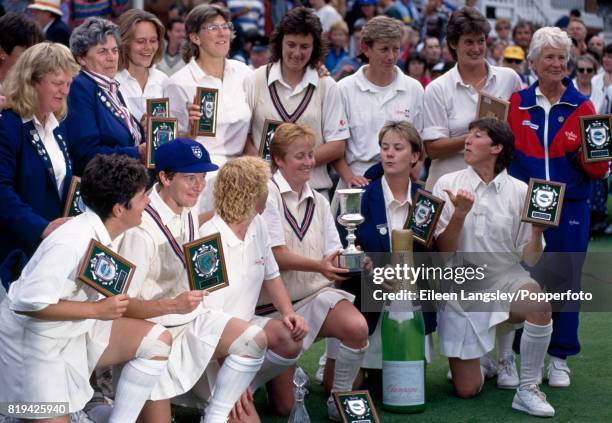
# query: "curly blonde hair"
[[32, 66], [239, 184]]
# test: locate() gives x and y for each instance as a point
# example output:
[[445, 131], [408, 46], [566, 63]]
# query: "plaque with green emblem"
[[544, 202], [159, 131], [158, 107], [423, 216], [269, 128], [74, 202], [596, 138], [105, 271], [490, 106], [208, 100], [356, 407], [206, 263]]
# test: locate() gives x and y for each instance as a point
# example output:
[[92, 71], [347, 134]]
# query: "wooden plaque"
[[423, 217], [105, 271], [269, 128], [159, 131], [206, 264], [490, 106], [158, 107], [544, 202], [356, 407], [596, 138], [208, 100], [74, 202]]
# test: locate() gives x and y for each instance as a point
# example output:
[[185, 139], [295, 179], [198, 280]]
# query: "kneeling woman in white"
[[55, 330], [240, 193], [306, 253], [483, 215], [162, 294]]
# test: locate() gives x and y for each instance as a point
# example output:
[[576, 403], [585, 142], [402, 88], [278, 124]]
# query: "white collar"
[[498, 182], [284, 187], [49, 126], [456, 76], [227, 235], [365, 84], [388, 195], [198, 73], [310, 77], [100, 230], [165, 212]]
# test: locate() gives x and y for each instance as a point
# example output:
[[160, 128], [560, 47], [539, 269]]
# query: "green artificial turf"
[[588, 399]]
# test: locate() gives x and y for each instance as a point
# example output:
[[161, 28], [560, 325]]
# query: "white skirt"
[[39, 368], [193, 346], [471, 334], [313, 309]]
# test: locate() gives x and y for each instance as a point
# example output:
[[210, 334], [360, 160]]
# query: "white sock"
[[233, 379], [332, 347], [138, 378], [348, 363], [505, 338], [534, 344], [272, 366]]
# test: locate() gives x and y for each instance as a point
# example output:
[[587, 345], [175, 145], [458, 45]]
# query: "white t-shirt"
[[233, 112], [134, 96], [368, 107], [450, 106], [249, 263]]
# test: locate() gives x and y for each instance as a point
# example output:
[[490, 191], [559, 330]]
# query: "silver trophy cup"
[[350, 217]]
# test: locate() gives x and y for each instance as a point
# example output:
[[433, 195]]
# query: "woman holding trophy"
[[307, 254]]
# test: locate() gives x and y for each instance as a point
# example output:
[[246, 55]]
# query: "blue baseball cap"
[[183, 155], [367, 2]]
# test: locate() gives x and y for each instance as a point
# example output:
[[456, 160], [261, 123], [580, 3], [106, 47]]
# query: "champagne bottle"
[[403, 342]]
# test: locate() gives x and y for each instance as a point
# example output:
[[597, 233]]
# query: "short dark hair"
[[500, 134], [16, 30], [303, 21], [464, 21], [607, 49], [112, 179], [171, 23], [523, 24]]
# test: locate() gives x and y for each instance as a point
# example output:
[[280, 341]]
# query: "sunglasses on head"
[[587, 70], [514, 61]]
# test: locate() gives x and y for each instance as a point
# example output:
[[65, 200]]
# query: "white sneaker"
[[532, 401], [449, 375], [488, 367], [321, 369], [507, 376], [558, 373], [332, 411]]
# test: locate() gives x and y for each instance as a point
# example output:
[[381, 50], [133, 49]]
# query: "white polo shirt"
[[51, 276], [368, 107], [396, 211], [233, 112], [450, 106], [493, 225], [248, 263], [159, 272], [134, 96], [296, 204]]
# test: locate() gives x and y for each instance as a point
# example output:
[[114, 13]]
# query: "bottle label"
[[404, 382]]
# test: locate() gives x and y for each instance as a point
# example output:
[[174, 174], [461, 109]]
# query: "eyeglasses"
[[513, 61], [587, 70], [216, 27]]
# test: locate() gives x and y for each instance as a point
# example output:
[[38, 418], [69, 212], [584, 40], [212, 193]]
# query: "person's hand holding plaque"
[[187, 301]]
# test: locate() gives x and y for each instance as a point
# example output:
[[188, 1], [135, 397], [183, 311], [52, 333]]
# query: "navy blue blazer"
[[92, 126], [29, 198], [58, 32]]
